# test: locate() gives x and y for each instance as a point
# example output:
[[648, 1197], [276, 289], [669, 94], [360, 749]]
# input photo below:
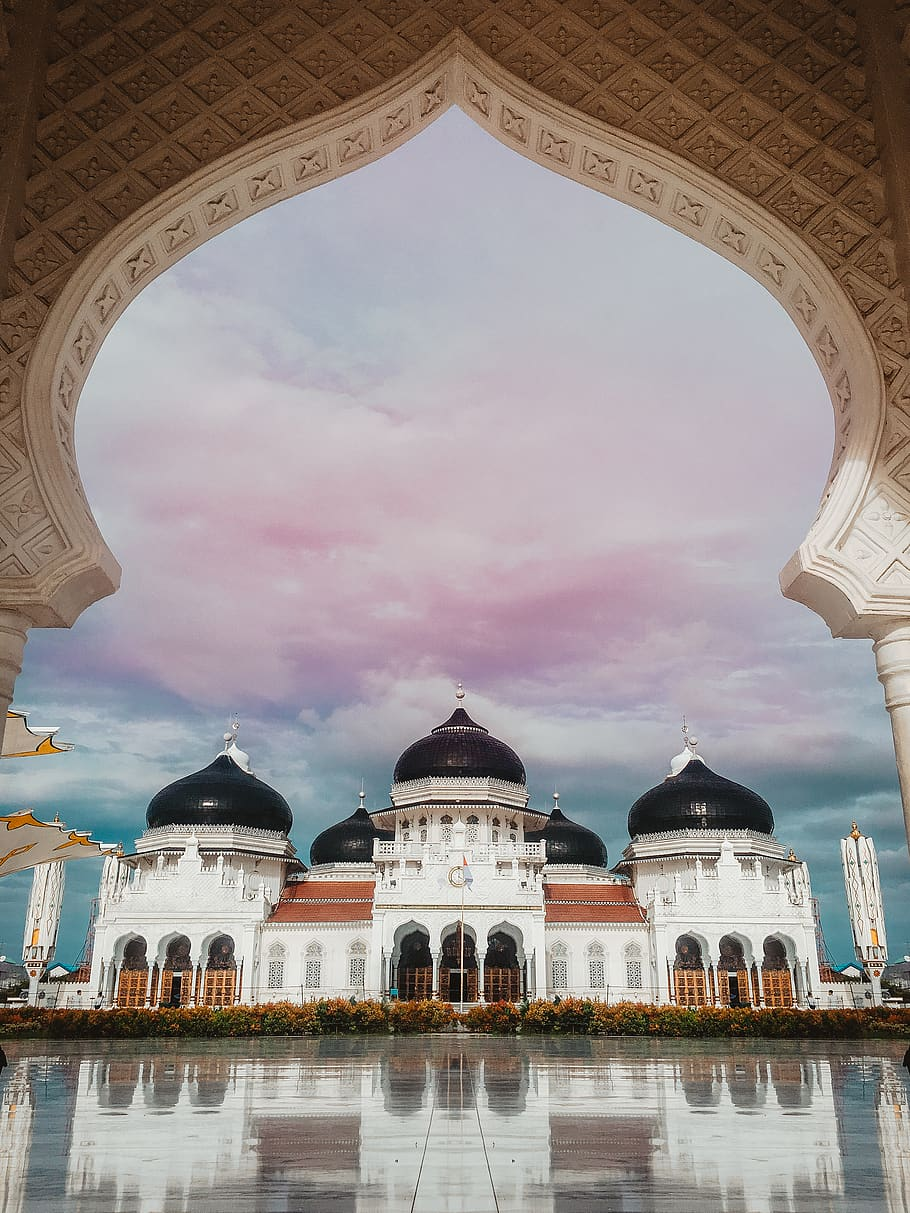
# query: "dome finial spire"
[[230, 738], [459, 691], [362, 793], [680, 761]]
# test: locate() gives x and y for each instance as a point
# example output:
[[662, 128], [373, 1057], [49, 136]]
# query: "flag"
[[467, 878], [22, 740]]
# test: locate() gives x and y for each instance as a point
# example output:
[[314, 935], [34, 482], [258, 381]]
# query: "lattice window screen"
[[358, 972], [597, 978], [634, 976], [312, 978], [276, 974], [560, 974]]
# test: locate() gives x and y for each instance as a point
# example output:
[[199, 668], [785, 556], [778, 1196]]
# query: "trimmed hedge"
[[570, 1016]]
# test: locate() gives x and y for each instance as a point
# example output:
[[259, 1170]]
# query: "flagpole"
[[461, 988]]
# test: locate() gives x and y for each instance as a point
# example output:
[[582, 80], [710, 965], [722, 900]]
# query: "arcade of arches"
[[772, 132], [174, 982]]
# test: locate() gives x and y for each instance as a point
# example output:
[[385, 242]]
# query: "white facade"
[[216, 913]]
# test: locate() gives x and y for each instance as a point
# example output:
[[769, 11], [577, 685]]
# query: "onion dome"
[[568, 842], [459, 747], [693, 797], [225, 793], [348, 841]]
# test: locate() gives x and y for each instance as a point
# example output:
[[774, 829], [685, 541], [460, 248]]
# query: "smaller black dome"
[[348, 841], [459, 747], [568, 842], [699, 799], [221, 794]]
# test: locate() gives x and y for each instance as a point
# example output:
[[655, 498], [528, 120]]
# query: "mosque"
[[458, 890]]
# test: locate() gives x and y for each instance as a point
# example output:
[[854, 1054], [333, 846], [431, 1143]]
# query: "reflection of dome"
[[695, 798], [221, 794], [568, 842], [462, 748], [348, 841]]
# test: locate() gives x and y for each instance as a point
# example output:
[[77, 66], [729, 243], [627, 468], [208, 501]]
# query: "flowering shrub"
[[539, 1017], [574, 1016], [425, 1016], [369, 1017], [499, 1017]]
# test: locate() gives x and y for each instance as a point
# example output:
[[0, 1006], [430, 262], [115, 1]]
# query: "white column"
[[892, 659], [481, 959], [13, 635], [435, 992]]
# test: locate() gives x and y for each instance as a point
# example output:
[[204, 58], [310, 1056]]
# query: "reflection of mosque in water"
[[356, 1125]]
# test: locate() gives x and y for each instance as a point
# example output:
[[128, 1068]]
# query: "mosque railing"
[[487, 852]]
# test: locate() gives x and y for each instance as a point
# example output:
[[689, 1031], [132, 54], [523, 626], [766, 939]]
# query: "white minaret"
[[41, 922], [864, 901]]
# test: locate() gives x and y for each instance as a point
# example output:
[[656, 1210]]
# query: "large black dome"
[[568, 842], [221, 794], [699, 799], [459, 747], [348, 841]]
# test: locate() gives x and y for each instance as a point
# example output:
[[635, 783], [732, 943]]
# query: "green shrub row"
[[571, 1016]]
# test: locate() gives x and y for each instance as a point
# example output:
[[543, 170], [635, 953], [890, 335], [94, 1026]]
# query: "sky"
[[453, 417]]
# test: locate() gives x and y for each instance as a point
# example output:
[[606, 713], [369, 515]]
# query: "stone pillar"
[[13, 635], [892, 659], [434, 993], [481, 957]]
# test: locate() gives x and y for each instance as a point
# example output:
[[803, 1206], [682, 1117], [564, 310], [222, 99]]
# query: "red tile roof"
[[591, 903], [325, 901]]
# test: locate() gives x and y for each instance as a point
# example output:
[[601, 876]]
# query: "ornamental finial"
[[691, 742], [362, 793], [856, 832], [792, 856], [231, 737], [555, 799], [459, 692]]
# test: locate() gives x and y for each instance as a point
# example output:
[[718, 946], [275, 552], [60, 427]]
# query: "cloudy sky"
[[454, 417]]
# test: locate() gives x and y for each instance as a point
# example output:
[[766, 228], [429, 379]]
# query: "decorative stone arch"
[[778, 213], [131, 970], [781, 972], [285, 163]]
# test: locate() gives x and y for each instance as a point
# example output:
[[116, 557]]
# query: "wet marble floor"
[[454, 1124]]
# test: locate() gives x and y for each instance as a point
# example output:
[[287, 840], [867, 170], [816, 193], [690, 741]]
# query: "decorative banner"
[[21, 741], [25, 842]]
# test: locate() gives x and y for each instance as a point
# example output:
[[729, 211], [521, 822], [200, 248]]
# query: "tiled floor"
[[454, 1124]]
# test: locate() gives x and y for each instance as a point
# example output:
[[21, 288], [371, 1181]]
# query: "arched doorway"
[[415, 966], [689, 973], [177, 974], [732, 973], [220, 973], [776, 982], [132, 985], [451, 986], [502, 971]]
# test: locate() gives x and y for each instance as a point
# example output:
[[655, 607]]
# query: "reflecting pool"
[[454, 1123]]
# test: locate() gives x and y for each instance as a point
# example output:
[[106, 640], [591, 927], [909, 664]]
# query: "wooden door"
[[690, 987], [219, 987], [131, 987], [777, 989]]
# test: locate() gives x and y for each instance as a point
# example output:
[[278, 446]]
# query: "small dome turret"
[[568, 842], [348, 841]]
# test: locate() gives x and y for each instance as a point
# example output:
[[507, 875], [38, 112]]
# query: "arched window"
[[220, 973], [423, 829], [634, 971], [357, 965], [312, 969], [689, 973], [777, 988], [176, 978], [405, 831], [277, 955], [472, 829], [134, 974], [446, 832], [732, 977], [597, 969], [559, 966]]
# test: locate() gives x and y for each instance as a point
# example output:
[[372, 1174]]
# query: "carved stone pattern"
[[769, 97]]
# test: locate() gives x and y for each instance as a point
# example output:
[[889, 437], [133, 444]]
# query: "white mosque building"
[[458, 890]]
